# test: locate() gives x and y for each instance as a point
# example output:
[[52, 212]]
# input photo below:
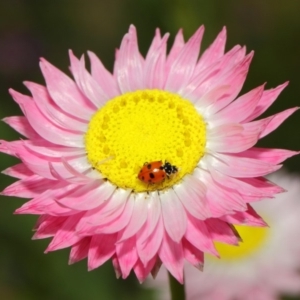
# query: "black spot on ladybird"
[[151, 175]]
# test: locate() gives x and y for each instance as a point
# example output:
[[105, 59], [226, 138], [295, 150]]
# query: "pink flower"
[[260, 270], [87, 139]]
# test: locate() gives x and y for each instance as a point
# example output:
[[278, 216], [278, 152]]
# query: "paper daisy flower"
[[88, 139], [264, 266]]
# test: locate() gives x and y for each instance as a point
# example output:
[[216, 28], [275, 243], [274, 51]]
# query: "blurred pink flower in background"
[[264, 266]]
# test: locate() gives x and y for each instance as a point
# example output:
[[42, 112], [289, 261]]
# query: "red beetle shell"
[[156, 172]]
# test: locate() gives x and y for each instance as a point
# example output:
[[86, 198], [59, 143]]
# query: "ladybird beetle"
[[156, 171]]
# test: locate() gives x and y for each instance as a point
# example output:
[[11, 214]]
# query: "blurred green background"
[[30, 29]]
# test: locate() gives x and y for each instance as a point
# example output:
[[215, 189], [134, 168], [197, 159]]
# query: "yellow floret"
[[145, 126]]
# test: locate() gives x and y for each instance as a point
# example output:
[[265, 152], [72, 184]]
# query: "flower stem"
[[177, 289]]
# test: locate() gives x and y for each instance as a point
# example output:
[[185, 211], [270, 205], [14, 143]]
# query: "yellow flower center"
[[253, 238], [145, 126]]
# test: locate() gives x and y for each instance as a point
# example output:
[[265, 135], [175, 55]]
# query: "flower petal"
[[102, 248], [127, 255], [129, 66], [80, 250], [64, 92], [213, 53], [268, 97], [174, 215], [183, 67], [87, 84], [241, 167], [103, 77], [51, 111], [65, 236], [138, 218], [45, 127], [21, 125], [148, 248], [171, 255]]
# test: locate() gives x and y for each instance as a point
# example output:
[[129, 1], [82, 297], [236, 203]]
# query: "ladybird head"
[[169, 169]]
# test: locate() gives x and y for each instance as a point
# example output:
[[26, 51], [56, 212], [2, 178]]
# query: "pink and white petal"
[[127, 255], [212, 96], [30, 187], [116, 266], [199, 236], [223, 200], [44, 203], [201, 83], [175, 50], [80, 250], [264, 185], [234, 143], [87, 84], [249, 218], [138, 218], [66, 235], [44, 127], [51, 111], [222, 232], [116, 201], [192, 194], [79, 168], [240, 109], [19, 171], [48, 226], [148, 248], [174, 215], [44, 149], [71, 170], [267, 99], [239, 185], [122, 221], [235, 78], [9, 148], [225, 130], [142, 270], [113, 204], [52, 208], [76, 166], [171, 255], [156, 41], [88, 196], [213, 53], [276, 120], [271, 155], [109, 219], [41, 219], [102, 248], [64, 92], [154, 69], [258, 125], [153, 215], [21, 125], [183, 67], [240, 168], [192, 254], [103, 77], [129, 66]]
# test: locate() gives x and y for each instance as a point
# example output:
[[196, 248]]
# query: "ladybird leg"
[[149, 184], [161, 184]]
